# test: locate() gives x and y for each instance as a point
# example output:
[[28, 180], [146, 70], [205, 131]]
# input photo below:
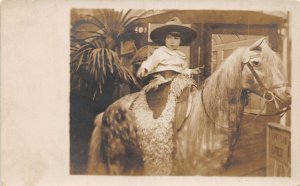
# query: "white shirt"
[[165, 59]]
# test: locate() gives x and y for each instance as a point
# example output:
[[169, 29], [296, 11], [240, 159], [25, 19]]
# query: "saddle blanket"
[[156, 135]]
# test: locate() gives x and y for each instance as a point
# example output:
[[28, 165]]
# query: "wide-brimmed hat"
[[187, 34]]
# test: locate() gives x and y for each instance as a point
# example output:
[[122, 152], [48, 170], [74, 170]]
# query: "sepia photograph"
[[150, 92], [180, 92]]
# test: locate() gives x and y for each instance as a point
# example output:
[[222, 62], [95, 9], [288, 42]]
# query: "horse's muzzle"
[[283, 99]]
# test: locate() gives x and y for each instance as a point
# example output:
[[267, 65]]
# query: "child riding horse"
[[155, 107]]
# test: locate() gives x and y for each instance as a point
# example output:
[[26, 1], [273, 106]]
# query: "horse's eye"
[[255, 63]]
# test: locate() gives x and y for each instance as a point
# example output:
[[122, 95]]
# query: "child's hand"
[[197, 70], [142, 72]]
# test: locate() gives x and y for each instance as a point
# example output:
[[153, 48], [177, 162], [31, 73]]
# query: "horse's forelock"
[[272, 66]]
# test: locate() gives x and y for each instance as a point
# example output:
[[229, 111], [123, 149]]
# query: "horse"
[[177, 128]]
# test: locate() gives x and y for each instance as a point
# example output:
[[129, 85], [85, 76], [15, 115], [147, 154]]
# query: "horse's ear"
[[257, 45]]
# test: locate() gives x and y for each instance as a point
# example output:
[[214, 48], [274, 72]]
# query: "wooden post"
[[194, 51], [205, 35]]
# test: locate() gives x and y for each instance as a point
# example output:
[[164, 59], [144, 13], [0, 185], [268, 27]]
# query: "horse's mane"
[[224, 87], [203, 121]]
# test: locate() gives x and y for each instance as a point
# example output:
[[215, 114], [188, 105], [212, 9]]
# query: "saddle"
[[157, 99]]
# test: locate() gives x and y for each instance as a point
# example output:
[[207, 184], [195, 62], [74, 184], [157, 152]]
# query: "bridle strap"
[[255, 75], [279, 86], [273, 114], [266, 91], [275, 97]]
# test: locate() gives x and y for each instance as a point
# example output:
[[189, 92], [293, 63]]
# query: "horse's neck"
[[222, 98]]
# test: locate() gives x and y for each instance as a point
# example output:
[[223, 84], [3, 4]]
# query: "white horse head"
[[262, 73]]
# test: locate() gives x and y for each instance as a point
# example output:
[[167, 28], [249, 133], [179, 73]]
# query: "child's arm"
[[148, 65], [187, 71]]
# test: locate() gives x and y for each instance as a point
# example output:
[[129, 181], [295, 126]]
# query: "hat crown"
[[174, 21], [187, 34]]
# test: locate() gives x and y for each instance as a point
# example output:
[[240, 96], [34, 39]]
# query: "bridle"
[[266, 93]]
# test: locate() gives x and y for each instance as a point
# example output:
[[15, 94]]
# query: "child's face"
[[172, 42]]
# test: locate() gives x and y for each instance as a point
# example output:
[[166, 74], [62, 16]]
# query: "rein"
[[273, 114]]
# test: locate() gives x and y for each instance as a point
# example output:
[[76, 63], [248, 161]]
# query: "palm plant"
[[95, 49]]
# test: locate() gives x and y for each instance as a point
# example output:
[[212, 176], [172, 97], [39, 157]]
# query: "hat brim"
[[187, 34]]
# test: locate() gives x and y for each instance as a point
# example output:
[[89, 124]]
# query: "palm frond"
[[94, 42], [100, 62], [92, 38], [104, 15], [85, 22], [119, 15], [76, 55], [98, 22], [123, 73], [134, 18], [125, 16], [103, 61], [89, 31], [109, 57]]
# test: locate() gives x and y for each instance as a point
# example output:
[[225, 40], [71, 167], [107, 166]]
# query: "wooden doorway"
[[236, 29]]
